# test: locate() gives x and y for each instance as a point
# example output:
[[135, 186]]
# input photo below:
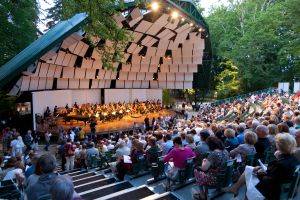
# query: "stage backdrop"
[[296, 87], [40, 100], [284, 86], [129, 95]]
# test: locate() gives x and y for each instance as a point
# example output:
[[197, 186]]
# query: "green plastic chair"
[[288, 190]]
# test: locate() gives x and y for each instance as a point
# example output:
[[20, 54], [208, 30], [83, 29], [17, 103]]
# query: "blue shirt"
[[30, 170], [167, 146], [241, 137]]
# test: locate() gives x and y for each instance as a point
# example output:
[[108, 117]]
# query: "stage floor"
[[116, 125]]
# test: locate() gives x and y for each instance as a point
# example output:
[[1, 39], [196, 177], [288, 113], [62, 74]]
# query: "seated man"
[[42, 187]]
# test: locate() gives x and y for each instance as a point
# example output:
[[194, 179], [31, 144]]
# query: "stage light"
[[183, 19], [191, 24], [200, 29], [175, 14], [154, 6]]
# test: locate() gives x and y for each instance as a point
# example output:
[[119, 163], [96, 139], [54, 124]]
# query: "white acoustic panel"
[[183, 68], [145, 84], [107, 83], [136, 84], [141, 76], [101, 84], [174, 68], [179, 76], [193, 68], [49, 84], [171, 77], [132, 76], [149, 76], [162, 76], [95, 84], [145, 61], [164, 68]]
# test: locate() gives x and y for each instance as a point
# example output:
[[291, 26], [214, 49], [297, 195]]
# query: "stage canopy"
[[166, 51]]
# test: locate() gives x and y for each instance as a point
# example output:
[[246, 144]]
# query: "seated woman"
[[12, 170], [231, 141], [122, 167], [278, 172], [247, 148], [212, 165], [178, 155], [152, 153]]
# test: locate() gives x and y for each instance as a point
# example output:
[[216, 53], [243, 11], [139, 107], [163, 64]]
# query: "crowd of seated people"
[[248, 127]]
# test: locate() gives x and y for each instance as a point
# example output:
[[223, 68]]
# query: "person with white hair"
[[17, 146], [122, 149], [63, 189]]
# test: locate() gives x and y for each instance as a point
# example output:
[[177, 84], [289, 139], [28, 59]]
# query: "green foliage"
[[101, 24], [227, 81], [18, 27], [261, 38], [167, 98], [7, 103]]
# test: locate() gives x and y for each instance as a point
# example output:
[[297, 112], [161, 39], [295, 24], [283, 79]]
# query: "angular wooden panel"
[[62, 83], [79, 73], [120, 84], [154, 84], [95, 84], [162, 47], [188, 76], [72, 47], [58, 70], [123, 75], [101, 84], [151, 51], [141, 76], [136, 63], [97, 64], [101, 74], [84, 83], [132, 76], [72, 61], [73, 83], [25, 83], [136, 84], [145, 62], [137, 36], [179, 76], [174, 68], [177, 56], [132, 47], [143, 26], [68, 72], [145, 84], [136, 16], [119, 18], [113, 75], [173, 24], [183, 68], [49, 84], [171, 77], [188, 85], [43, 70], [126, 67], [154, 64], [83, 50], [60, 57], [149, 77], [128, 84], [90, 73], [87, 63], [162, 84], [34, 82], [96, 54], [72, 39], [42, 83], [137, 49], [178, 85], [107, 74], [50, 54], [66, 60], [183, 28], [162, 76], [158, 24], [171, 85], [193, 68], [107, 84], [78, 48], [37, 69], [164, 68]]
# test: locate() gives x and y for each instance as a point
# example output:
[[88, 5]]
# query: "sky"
[[44, 4]]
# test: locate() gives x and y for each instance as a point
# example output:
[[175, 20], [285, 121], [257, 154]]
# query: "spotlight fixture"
[[175, 14], [183, 19], [191, 24], [200, 29], [154, 6]]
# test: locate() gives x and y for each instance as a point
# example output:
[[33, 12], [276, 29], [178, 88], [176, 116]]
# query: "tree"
[[260, 37], [18, 27], [101, 24]]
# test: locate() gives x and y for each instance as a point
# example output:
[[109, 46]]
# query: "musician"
[[75, 105], [47, 113], [55, 111], [147, 123], [67, 107]]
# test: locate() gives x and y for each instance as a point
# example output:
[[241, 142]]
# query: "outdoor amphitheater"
[[149, 99]]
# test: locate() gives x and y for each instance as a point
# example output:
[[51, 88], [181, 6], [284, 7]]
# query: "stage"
[[125, 123]]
